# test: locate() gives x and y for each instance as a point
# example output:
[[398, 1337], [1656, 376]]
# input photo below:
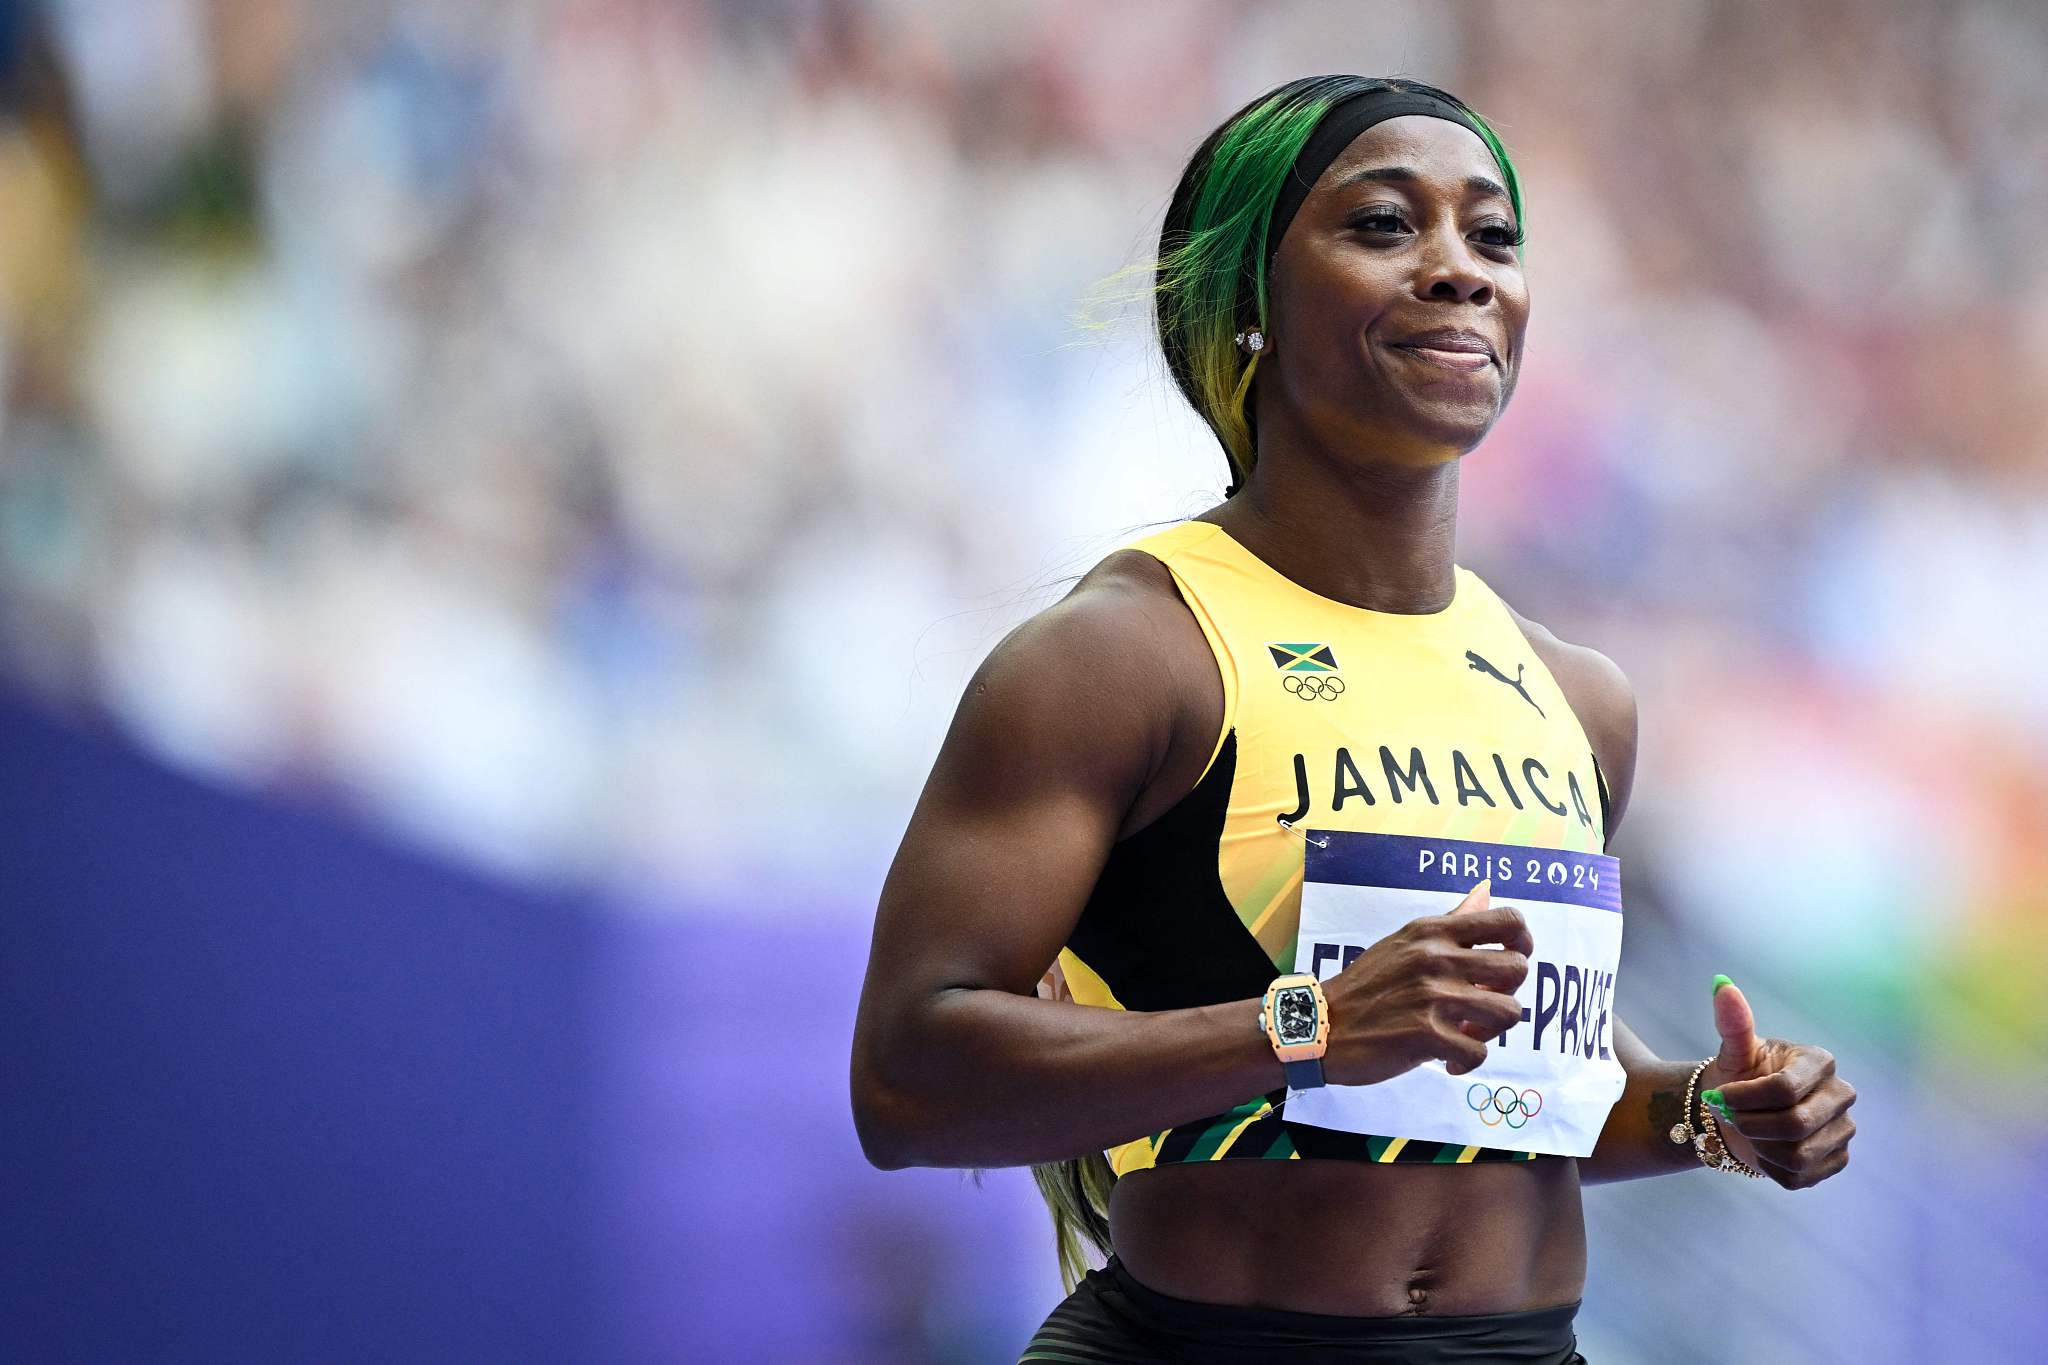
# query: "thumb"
[[1737, 1027], [1476, 898]]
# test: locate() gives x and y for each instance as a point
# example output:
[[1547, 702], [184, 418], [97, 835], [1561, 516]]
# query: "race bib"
[[1549, 1081]]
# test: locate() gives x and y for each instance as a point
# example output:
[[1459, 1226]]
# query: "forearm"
[[1636, 1140], [996, 1079]]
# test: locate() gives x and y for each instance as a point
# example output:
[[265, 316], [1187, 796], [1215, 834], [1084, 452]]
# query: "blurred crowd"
[[597, 438]]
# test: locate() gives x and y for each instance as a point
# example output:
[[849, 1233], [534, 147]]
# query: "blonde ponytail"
[[1077, 1192]]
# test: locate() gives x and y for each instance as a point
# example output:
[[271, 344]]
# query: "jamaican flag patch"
[[1303, 658]]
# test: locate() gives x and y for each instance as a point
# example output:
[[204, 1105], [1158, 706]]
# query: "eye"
[[1371, 216], [1508, 236], [1511, 236]]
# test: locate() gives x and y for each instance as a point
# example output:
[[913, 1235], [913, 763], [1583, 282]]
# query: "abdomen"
[[1361, 1239]]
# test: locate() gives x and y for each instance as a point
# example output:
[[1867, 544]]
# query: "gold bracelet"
[[1684, 1131], [1727, 1161]]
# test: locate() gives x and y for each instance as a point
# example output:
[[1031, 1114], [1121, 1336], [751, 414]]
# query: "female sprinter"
[[1251, 787]]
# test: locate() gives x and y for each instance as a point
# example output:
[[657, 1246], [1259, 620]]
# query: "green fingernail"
[[1713, 1097], [1719, 982]]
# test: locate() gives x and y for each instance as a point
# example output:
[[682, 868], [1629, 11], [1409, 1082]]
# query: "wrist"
[[1699, 1129], [1294, 1015]]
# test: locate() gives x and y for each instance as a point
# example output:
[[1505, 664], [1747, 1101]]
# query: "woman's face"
[[1395, 241]]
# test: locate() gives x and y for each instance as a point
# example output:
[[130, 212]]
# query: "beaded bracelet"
[[1683, 1131], [1728, 1160]]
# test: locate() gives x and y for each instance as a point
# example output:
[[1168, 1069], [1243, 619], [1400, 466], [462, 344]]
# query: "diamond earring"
[[1253, 341]]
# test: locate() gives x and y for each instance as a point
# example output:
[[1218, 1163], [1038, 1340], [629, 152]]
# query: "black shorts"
[[1111, 1319]]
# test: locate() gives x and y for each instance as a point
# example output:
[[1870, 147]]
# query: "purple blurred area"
[[274, 1091], [498, 503], [277, 1090], [752, 1228]]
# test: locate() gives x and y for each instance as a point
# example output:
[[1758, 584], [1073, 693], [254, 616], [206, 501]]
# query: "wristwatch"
[[1296, 1018]]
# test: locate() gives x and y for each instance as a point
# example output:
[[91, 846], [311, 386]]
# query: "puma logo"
[[1481, 666]]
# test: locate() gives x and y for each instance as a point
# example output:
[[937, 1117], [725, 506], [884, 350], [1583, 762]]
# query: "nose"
[[1449, 269]]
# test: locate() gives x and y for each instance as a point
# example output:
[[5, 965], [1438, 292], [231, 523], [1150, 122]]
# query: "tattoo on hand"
[[1667, 1109]]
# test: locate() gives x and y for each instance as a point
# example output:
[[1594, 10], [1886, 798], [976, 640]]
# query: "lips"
[[1449, 340], [1451, 360]]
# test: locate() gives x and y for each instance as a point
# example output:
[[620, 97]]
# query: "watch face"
[[1294, 1013]]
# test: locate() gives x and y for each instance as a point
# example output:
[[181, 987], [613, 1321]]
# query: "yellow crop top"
[[1442, 724]]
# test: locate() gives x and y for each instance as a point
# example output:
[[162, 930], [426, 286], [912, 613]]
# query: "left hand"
[[1785, 1111]]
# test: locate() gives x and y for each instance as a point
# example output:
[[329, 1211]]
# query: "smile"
[[1450, 360]]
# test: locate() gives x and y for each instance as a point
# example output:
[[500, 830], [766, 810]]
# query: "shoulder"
[[1124, 616], [1603, 699], [1114, 676]]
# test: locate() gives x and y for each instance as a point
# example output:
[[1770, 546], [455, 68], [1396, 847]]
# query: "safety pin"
[[1288, 825]]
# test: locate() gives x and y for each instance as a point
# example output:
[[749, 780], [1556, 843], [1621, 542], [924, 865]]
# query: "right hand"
[[1427, 991]]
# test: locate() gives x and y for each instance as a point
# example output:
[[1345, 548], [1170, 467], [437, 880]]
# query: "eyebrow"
[[1407, 175]]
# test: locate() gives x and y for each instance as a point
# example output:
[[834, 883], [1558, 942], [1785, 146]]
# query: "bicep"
[[1055, 737], [984, 897]]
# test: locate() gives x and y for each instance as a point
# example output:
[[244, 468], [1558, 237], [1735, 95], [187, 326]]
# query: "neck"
[[1377, 535]]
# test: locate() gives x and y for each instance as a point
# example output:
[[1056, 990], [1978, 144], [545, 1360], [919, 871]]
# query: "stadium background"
[[498, 503]]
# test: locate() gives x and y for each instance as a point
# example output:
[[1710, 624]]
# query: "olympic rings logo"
[[1500, 1104], [1313, 686]]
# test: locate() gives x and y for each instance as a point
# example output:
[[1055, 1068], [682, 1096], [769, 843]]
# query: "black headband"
[[1342, 123]]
